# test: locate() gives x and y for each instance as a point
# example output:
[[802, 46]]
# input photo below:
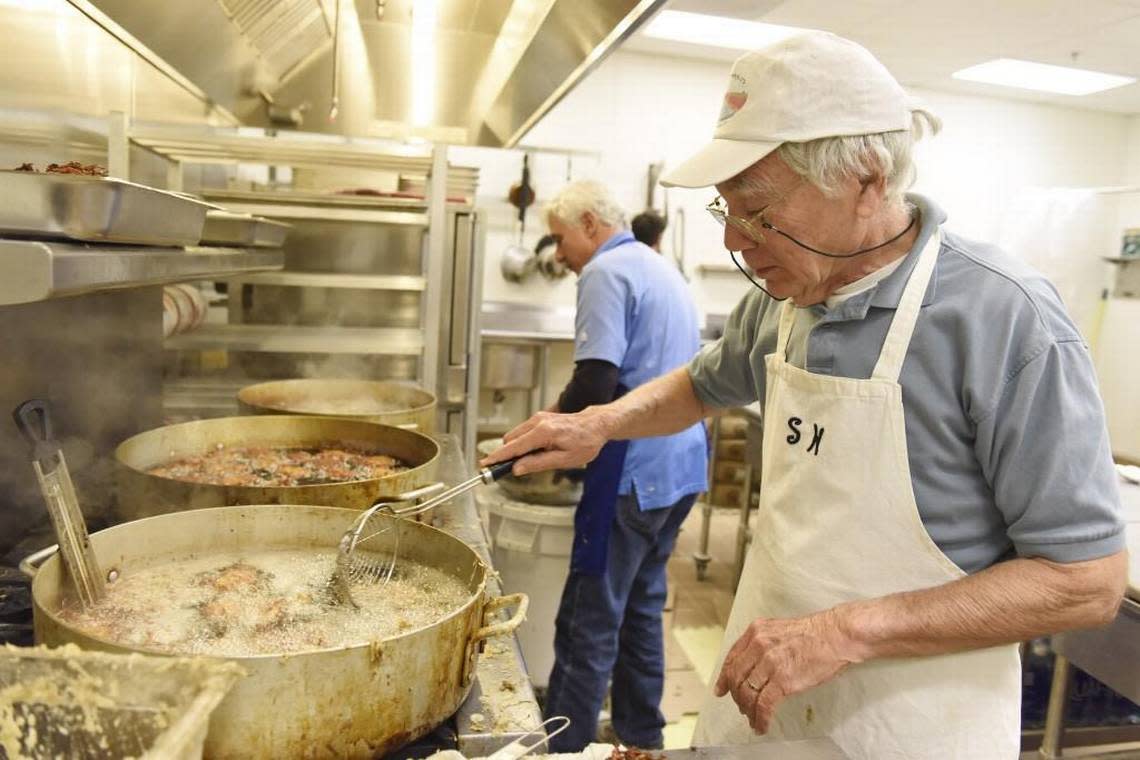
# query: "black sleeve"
[[594, 382]]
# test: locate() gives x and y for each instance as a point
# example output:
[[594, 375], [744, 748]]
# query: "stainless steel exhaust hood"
[[460, 71]]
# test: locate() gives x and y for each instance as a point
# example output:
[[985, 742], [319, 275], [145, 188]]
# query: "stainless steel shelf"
[[302, 340], [335, 280], [300, 205], [192, 398], [34, 270]]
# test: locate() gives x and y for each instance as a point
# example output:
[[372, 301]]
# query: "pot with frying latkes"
[[140, 492], [352, 697]]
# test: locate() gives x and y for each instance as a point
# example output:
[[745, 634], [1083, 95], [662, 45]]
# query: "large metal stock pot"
[[350, 702], [388, 403], [140, 494]]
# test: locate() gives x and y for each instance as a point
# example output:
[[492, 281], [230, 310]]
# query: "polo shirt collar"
[[888, 293], [618, 238]]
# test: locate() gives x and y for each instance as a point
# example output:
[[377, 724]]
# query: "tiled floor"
[[694, 620]]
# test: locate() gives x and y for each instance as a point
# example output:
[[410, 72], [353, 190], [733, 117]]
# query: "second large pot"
[[350, 702], [386, 403], [140, 494]]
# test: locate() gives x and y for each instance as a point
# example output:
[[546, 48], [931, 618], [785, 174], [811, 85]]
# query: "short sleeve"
[[1045, 451], [600, 326], [722, 373]]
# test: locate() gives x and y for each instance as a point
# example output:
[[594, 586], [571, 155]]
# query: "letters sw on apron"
[[838, 522]]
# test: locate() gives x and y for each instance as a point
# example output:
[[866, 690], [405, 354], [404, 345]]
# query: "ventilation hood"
[[479, 72]]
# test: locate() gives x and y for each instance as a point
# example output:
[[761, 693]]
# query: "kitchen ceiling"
[[924, 41], [458, 71]]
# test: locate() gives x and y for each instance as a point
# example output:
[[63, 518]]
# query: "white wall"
[[636, 109]]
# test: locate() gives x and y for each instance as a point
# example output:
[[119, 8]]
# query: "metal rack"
[[385, 283], [36, 270]]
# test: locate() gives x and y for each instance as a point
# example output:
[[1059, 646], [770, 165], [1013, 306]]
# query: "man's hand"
[[775, 659], [561, 441]]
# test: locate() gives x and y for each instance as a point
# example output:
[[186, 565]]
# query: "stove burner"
[[15, 608], [443, 737]]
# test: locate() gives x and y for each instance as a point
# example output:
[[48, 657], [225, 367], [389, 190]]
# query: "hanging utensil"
[[355, 568], [521, 195], [517, 262], [34, 421]]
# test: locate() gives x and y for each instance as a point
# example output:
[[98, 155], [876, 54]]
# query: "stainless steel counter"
[[502, 320], [520, 321], [34, 270], [502, 705]]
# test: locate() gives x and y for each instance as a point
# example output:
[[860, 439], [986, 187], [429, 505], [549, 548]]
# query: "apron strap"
[[902, 325], [787, 319]]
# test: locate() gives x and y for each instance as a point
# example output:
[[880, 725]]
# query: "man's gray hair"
[[586, 196], [827, 161]]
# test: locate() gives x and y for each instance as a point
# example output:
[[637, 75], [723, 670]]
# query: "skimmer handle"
[[34, 423]]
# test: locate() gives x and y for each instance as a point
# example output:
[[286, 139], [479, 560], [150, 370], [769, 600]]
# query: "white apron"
[[838, 522]]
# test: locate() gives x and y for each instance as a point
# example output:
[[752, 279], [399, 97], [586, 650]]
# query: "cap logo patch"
[[734, 99]]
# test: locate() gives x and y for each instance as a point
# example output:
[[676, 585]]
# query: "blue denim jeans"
[[609, 626]]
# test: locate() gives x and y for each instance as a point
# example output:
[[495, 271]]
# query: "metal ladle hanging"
[[34, 421], [517, 261]]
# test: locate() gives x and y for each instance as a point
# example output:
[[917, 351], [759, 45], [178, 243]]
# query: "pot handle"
[[418, 493], [505, 628], [30, 565], [478, 639]]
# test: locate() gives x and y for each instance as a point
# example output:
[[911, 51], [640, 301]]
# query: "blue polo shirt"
[[1005, 430], [635, 312]]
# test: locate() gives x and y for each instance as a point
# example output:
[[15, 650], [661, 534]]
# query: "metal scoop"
[[34, 422], [354, 568]]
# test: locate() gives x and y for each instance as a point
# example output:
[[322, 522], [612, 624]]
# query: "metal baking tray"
[[96, 209], [244, 230]]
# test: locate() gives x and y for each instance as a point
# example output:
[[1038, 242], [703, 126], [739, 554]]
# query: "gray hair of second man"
[[582, 197], [827, 161]]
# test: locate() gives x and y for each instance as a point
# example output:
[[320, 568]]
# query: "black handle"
[[34, 422], [503, 468]]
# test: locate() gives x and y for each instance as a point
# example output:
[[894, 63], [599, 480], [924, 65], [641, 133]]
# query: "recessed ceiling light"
[[1042, 77], [717, 31]]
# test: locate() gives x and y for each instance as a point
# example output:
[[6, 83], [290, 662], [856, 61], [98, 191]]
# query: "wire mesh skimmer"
[[369, 558]]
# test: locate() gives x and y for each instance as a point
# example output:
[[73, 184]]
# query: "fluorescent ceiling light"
[[717, 31], [1041, 77]]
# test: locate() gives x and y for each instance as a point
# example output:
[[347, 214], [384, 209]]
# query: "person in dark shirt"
[[648, 227]]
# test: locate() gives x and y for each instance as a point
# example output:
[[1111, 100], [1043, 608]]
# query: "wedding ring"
[[752, 686]]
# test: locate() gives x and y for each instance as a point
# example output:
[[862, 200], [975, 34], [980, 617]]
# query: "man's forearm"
[[664, 406], [548, 441], [1009, 602]]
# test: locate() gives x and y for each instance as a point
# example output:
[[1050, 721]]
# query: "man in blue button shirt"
[[937, 476], [635, 321]]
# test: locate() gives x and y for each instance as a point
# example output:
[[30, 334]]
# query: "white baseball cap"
[[805, 87]]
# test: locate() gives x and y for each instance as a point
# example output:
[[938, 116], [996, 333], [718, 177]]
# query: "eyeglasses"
[[750, 226]]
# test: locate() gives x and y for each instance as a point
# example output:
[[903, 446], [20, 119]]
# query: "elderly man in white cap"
[[937, 482]]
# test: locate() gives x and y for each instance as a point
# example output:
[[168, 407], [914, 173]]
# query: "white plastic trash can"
[[531, 547]]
